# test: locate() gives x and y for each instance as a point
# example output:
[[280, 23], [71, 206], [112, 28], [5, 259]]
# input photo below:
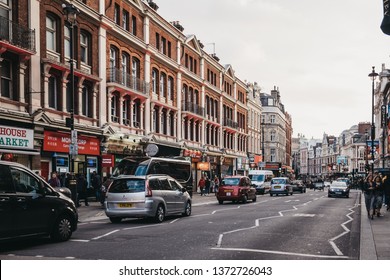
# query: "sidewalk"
[[374, 234]]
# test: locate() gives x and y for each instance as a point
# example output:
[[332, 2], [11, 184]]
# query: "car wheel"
[[115, 220], [271, 194], [220, 201], [254, 199], [160, 214], [62, 229], [187, 210], [245, 199], [329, 195]]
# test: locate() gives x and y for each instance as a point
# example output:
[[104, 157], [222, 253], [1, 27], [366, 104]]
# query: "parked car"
[[30, 207], [236, 188], [338, 188], [155, 196], [319, 186], [281, 185], [298, 186]]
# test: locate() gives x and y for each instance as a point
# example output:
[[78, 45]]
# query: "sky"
[[318, 53]]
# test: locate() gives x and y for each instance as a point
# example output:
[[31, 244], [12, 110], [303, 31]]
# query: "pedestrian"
[[386, 190], [378, 193], [97, 185], [201, 185], [216, 183], [369, 198], [207, 185], [54, 181], [82, 189]]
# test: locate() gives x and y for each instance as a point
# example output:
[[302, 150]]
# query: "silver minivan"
[[155, 196]]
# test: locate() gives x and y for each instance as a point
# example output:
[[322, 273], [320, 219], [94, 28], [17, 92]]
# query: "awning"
[[21, 152]]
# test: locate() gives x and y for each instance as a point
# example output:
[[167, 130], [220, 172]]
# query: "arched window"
[[125, 69], [114, 108], [87, 101], [163, 84], [53, 92], [67, 42], [155, 81], [113, 64]]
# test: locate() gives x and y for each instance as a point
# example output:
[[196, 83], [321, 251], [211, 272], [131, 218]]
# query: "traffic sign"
[[73, 149]]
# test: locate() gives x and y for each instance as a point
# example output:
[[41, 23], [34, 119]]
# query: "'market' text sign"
[[16, 138]]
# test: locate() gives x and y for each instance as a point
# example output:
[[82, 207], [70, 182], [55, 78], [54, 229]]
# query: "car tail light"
[[148, 190]]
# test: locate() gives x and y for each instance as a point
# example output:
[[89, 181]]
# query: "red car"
[[236, 188]]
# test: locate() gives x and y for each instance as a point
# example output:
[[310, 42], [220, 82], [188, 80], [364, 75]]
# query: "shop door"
[[45, 170]]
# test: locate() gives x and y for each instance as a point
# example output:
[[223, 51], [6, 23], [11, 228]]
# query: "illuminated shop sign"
[[16, 137]]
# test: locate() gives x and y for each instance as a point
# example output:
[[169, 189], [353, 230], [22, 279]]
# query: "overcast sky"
[[319, 53]]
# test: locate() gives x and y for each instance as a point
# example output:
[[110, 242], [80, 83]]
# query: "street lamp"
[[71, 13], [373, 76]]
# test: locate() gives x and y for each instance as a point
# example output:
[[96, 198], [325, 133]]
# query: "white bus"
[[262, 180]]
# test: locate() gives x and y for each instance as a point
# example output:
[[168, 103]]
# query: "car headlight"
[[332, 190]]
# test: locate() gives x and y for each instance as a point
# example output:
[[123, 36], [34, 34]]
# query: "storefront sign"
[[59, 142], [108, 161], [16, 137], [203, 166]]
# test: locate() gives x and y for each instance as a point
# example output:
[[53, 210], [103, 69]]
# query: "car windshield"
[[127, 186], [231, 181], [256, 177], [278, 181], [338, 185]]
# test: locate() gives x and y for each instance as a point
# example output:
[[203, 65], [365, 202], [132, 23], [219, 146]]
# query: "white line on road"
[[281, 253]]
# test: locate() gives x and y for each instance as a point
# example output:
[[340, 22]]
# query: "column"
[[94, 101], [120, 119], [22, 98], [178, 126], [148, 105]]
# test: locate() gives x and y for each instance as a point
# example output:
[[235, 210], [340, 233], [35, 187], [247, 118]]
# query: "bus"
[[177, 167]]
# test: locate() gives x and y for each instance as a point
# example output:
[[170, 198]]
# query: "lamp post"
[[71, 13], [373, 76]]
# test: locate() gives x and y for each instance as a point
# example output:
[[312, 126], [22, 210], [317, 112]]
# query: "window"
[[157, 41], [163, 82], [125, 111], [163, 45], [273, 154], [23, 182], [135, 73], [53, 92], [86, 101], [125, 68], [170, 90], [113, 61], [84, 48], [272, 119], [134, 25], [117, 14], [273, 136], [6, 79], [154, 81], [51, 33], [67, 44], [125, 20], [114, 106]]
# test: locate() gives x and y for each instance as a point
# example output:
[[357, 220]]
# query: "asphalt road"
[[307, 226]]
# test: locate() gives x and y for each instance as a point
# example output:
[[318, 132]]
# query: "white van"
[[262, 180]]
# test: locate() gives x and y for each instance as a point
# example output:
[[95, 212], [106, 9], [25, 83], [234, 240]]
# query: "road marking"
[[346, 230], [79, 240], [281, 253], [291, 200], [104, 235], [304, 215]]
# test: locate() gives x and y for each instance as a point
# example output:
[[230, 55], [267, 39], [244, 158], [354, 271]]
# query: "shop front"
[[17, 144], [55, 151]]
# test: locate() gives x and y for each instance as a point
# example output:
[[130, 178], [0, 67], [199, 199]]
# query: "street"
[[307, 226]]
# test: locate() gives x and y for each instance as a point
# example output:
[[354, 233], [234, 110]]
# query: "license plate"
[[228, 194], [125, 205], [338, 192], [277, 187]]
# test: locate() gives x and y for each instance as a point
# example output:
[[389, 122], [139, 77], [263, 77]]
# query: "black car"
[[30, 207], [298, 186], [339, 189]]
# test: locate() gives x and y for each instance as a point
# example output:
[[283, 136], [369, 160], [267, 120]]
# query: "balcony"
[[16, 35], [230, 123], [115, 75], [193, 108]]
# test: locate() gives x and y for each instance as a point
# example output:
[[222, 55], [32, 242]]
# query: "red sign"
[[59, 142], [108, 161]]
